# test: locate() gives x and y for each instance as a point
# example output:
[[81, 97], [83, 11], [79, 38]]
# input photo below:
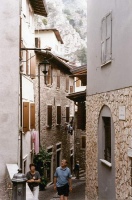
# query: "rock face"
[[69, 17], [123, 138]]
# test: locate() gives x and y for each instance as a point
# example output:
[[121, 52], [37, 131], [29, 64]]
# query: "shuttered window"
[[27, 62], [106, 39], [81, 116], [32, 65], [49, 115], [67, 84], [37, 42], [71, 89], [67, 114], [78, 82], [32, 116], [58, 78], [58, 114], [49, 78], [25, 116], [83, 142]]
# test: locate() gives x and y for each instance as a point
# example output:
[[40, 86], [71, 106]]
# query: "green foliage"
[[40, 161], [44, 21]]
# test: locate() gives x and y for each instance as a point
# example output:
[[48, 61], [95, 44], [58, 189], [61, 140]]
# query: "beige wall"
[[113, 100], [9, 83]]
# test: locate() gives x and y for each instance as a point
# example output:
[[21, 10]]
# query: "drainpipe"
[[39, 102], [20, 72]]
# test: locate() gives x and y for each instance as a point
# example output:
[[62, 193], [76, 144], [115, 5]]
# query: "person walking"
[[62, 180], [76, 170], [33, 180]]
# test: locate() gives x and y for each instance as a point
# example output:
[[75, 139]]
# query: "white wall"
[[48, 39], [9, 83]]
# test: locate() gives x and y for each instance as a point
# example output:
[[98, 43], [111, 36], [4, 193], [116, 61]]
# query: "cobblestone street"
[[78, 192]]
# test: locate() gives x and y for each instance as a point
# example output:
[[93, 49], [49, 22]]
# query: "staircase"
[[82, 174]]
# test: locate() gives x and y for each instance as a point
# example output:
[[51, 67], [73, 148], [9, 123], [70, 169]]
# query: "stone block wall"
[[123, 136], [51, 95]]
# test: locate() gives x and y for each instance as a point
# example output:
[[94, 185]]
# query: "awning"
[[39, 7], [77, 96]]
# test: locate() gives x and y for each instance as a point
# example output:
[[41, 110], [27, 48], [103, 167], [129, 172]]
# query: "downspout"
[[20, 71], [39, 102]]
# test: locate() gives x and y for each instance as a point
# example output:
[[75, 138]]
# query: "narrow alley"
[[78, 192]]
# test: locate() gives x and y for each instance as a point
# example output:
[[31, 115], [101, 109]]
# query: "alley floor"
[[78, 192]]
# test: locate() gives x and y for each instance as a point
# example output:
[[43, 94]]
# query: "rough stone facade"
[[51, 95], [123, 136]]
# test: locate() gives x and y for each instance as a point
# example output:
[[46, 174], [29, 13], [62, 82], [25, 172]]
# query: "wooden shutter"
[[58, 114], [67, 83], [32, 65], [58, 79], [49, 120], [108, 45], [103, 38], [25, 116], [67, 114], [27, 62], [83, 142], [71, 89], [32, 116], [78, 82], [81, 116], [49, 76]]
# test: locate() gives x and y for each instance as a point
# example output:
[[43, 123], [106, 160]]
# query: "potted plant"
[[40, 161]]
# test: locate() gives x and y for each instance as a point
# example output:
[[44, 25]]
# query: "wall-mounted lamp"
[[44, 65]]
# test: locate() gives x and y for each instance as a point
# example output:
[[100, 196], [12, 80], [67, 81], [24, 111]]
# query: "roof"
[[56, 32], [77, 96], [54, 60], [81, 73], [39, 7]]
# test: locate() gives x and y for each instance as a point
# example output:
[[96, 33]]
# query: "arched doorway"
[[106, 159]]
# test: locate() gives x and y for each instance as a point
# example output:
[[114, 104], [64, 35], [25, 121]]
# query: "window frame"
[[104, 60]]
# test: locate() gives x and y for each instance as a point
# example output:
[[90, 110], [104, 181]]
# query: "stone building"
[[53, 110], [78, 96], [109, 101]]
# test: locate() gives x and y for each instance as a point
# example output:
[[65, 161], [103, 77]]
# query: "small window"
[[106, 39], [78, 82], [32, 116], [58, 114], [67, 84], [49, 79], [67, 114], [107, 138], [83, 142], [81, 116], [58, 79], [49, 115]]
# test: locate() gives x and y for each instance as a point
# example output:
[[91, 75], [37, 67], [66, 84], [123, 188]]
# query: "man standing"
[[33, 180], [76, 170], [62, 180]]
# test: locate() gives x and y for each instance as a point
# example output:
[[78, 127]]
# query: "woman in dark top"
[[33, 180]]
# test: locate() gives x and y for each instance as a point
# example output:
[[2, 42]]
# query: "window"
[[58, 78], [49, 115], [78, 82], [67, 83], [49, 79], [32, 116], [106, 39], [58, 114], [27, 62], [81, 116], [71, 89], [25, 116], [37, 43], [67, 114], [83, 142], [32, 65], [107, 138]]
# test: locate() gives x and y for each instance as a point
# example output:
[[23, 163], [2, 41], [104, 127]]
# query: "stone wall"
[[51, 95], [123, 135]]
